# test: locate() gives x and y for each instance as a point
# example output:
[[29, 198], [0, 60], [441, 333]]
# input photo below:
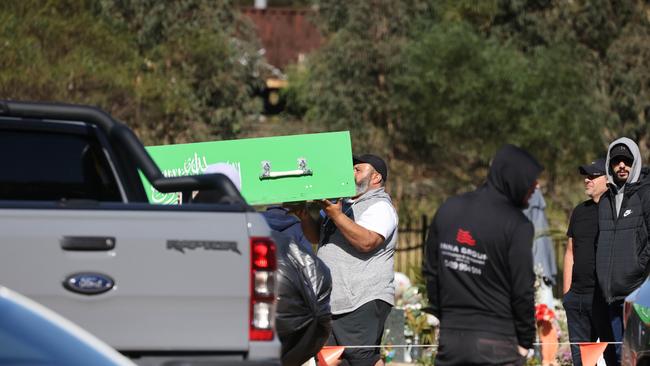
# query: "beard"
[[362, 186], [621, 176]]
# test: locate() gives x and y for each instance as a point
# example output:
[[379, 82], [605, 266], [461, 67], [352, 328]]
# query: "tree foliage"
[[444, 83], [347, 82], [175, 71], [464, 95], [613, 41]]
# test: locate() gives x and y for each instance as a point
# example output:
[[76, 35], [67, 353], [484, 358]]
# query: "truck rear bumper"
[[203, 361], [259, 354]]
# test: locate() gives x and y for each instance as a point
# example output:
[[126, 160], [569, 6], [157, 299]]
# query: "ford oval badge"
[[88, 283]]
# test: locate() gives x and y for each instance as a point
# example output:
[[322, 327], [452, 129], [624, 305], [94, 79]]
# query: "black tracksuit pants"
[[580, 321], [471, 347]]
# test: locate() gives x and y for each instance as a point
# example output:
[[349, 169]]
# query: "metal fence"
[[559, 244], [410, 243]]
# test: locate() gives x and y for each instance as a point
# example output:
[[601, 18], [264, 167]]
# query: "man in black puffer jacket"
[[622, 251], [479, 267]]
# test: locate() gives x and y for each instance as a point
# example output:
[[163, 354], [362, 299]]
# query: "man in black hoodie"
[[478, 267]]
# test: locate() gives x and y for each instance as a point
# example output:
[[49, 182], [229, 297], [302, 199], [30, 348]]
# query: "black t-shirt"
[[583, 228]]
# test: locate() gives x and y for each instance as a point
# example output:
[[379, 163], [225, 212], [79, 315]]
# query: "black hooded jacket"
[[478, 262], [280, 220], [623, 249]]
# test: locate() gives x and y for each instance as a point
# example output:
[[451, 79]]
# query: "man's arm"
[[522, 279], [568, 266], [646, 217], [359, 237], [310, 228], [430, 268]]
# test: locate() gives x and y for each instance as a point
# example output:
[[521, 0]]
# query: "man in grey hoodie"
[[622, 252]]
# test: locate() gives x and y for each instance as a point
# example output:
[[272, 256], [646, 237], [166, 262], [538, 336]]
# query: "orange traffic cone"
[[548, 338], [328, 355], [590, 352]]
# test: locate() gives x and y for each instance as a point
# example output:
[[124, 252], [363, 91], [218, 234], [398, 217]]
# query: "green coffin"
[[272, 169]]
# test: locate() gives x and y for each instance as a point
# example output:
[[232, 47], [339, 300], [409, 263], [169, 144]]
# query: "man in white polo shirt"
[[356, 240]]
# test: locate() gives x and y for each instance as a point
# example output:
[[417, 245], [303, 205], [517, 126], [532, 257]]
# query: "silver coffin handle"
[[302, 170]]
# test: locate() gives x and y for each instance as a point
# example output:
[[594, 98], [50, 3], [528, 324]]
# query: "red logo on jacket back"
[[465, 237]]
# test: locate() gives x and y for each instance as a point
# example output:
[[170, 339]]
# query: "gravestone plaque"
[[394, 333]]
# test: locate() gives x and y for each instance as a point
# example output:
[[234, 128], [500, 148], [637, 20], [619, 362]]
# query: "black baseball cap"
[[620, 150], [378, 163], [596, 167]]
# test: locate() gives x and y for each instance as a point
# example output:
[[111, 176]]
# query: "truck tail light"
[[262, 288]]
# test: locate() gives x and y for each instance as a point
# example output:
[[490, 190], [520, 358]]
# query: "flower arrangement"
[[555, 317], [420, 327], [543, 313]]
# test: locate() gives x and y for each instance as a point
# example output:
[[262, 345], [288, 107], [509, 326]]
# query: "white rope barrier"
[[435, 345]]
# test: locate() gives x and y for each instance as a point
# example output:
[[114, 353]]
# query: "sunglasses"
[[624, 159], [593, 176]]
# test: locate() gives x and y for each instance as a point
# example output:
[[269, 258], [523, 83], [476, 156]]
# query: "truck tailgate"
[[181, 279]]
